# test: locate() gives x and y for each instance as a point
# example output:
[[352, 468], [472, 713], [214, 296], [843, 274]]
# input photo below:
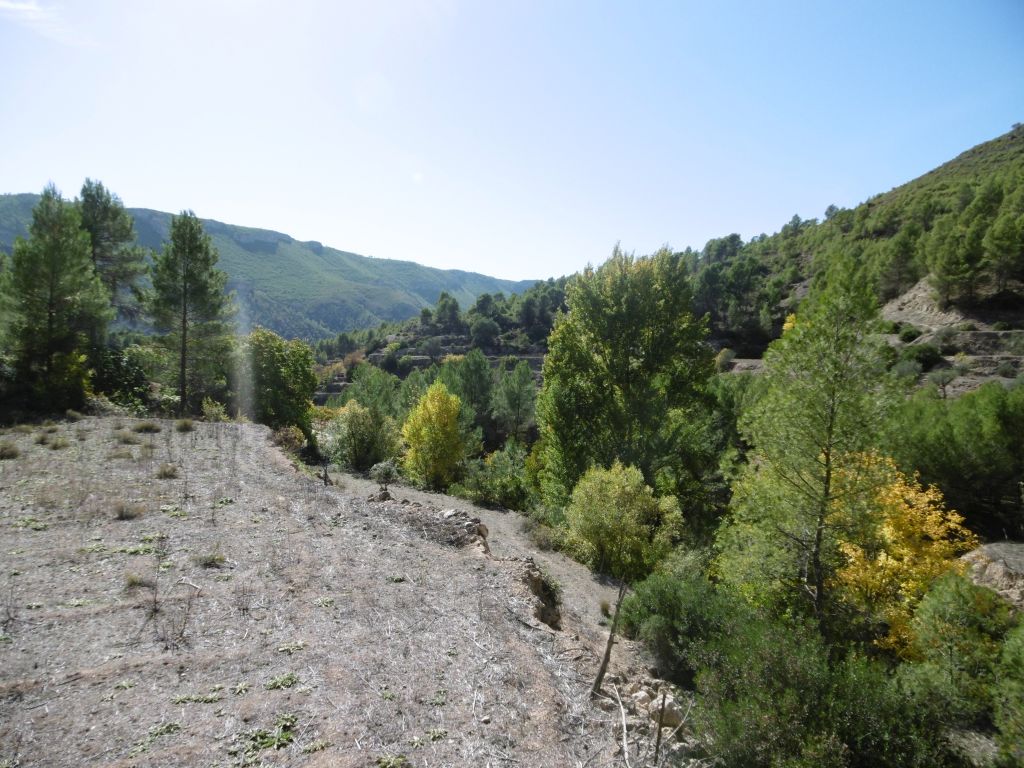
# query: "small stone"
[[485, 719]]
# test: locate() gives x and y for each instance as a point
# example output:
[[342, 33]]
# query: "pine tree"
[[55, 300], [188, 299], [117, 260]]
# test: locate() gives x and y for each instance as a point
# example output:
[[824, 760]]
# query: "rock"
[[641, 699], [673, 716], [448, 514]]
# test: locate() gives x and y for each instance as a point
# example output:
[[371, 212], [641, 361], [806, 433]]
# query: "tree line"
[[88, 315]]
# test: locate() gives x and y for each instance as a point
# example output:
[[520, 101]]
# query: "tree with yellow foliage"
[[435, 442], [901, 538]]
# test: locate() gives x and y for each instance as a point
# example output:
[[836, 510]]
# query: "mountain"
[[299, 289], [961, 226]]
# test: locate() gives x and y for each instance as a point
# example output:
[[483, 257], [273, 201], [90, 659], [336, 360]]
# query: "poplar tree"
[[188, 300]]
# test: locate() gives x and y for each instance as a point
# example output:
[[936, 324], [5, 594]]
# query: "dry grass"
[[167, 471], [9, 450], [126, 510], [446, 664], [147, 428], [184, 425]]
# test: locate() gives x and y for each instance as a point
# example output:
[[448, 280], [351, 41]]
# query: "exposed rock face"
[[1000, 567]]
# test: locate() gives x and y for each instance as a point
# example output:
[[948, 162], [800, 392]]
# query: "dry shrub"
[[73, 415], [120, 453], [42, 438], [59, 443], [289, 438], [9, 451], [184, 425], [22, 429], [147, 428], [167, 471], [125, 510], [209, 560], [126, 438], [135, 580]]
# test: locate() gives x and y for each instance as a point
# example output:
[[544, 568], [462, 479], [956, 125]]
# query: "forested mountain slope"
[[299, 289], [962, 225]]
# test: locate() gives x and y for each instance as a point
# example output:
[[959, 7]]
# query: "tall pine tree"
[[55, 302], [188, 300]]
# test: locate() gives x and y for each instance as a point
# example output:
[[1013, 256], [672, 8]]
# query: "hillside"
[[240, 613], [959, 226], [299, 289]]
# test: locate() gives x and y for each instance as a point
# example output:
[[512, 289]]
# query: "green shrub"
[[945, 339], [908, 333], [1009, 699], [384, 473], [213, 411], [358, 438], [500, 480], [907, 369], [958, 630], [1001, 325], [675, 611], [1006, 369], [925, 355]]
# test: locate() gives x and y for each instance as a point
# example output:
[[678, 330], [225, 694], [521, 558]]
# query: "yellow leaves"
[[911, 540], [435, 442], [790, 323]]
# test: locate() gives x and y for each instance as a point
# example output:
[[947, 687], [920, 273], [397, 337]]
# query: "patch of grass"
[[288, 680], [73, 415], [209, 560], [173, 510], [259, 739], [138, 549], [59, 444], [393, 761], [126, 510], [126, 438], [42, 438], [32, 523], [324, 602], [137, 581], [167, 472], [316, 746], [291, 648], [22, 429], [8, 451], [163, 729], [197, 698], [241, 689], [184, 425], [437, 734], [147, 428], [440, 698], [121, 453]]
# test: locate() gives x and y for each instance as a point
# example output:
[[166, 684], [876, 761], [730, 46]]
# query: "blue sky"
[[520, 139]]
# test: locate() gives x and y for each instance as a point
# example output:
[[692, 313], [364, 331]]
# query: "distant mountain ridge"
[[299, 289]]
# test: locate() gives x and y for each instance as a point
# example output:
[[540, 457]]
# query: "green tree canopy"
[[55, 301], [118, 261], [627, 354], [283, 381], [188, 300], [824, 402]]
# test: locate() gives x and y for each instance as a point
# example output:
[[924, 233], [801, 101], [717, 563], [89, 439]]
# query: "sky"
[[521, 139]]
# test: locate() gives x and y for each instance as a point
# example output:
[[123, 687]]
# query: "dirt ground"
[[190, 599]]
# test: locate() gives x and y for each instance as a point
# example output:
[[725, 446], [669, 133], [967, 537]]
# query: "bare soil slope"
[[189, 599]]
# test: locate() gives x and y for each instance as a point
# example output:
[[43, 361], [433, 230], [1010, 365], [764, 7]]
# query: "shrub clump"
[[184, 425], [289, 439], [359, 438], [8, 451], [124, 510], [167, 471], [384, 473], [147, 428], [500, 480]]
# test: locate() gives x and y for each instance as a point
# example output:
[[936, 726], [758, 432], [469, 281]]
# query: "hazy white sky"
[[520, 139]]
